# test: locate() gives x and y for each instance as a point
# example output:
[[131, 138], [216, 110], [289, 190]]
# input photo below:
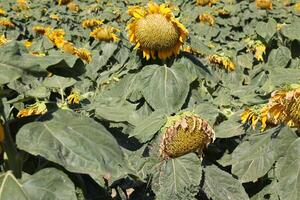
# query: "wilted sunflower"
[[74, 97], [37, 108], [283, 107], [156, 31], [185, 133], [221, 60], [84, 54], [90, 23], [105, 34]]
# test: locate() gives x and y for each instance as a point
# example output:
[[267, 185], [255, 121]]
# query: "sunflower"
[[38, 108], [156, 31], [185, 133], [105, 34]]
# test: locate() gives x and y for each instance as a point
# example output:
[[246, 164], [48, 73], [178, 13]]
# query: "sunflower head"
[[185, 133], [156, 31], [107, 34]]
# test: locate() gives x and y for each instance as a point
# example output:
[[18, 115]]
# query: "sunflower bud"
[[183, 134]]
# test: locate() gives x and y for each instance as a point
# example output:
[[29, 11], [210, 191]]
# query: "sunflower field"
[[149, 100]]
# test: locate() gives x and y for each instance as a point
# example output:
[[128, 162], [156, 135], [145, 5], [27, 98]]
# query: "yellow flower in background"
[[155, 31], [54, 17], [256, 46], [264, 4], [74, 97], [28, 43], [73, 7], [3, 40], [105, 34], [260, 49], [2, 12], [69, 47], [222, 12], [63, 2], [206, 2], [90, 23], [6, 22], [84, 54], [185, 133], [207, 18], [56, 36], [22, 4], [297, 7], [224, 61], [37, 108]]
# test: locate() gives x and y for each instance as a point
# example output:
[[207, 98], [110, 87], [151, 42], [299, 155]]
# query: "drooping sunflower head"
[[185, 133], [156, 31]]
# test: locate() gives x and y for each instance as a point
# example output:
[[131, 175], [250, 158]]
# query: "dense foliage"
[[83, 112]]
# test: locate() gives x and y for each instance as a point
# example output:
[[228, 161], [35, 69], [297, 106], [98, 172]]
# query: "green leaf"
[[254, 157], [220, 185], [58, 82], [288, 172], [245, 60], [10, 188], [231, 127], [176, 176], [291, 31], [74, 141], [266, 30], [279, 57], [146, 128], [165, 88], [49, 183]]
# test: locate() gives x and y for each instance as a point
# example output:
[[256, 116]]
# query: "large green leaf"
[[59, 82], [288, 172], [279, 57], [164, 87], [254, 157], [231, 127], [146, 128], [220, 185], [266, 30], [175, 177], [11, 188], [50, 184], [74, 141], [291, 31]]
